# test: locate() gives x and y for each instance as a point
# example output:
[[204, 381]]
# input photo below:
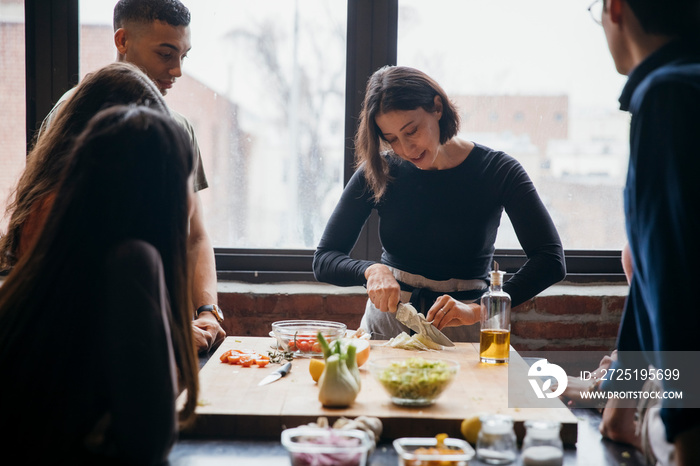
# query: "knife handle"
[[284, 370]]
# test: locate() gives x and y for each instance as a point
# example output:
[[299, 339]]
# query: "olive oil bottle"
[[494, 342]]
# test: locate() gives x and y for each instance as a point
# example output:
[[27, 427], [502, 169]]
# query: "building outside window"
[[536, 81]]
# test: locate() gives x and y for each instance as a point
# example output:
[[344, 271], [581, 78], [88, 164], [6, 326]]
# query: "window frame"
[[52, 67]]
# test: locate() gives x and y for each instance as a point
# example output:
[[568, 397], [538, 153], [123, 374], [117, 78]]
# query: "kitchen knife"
[[278, 374], [407, 315], [436, 335]]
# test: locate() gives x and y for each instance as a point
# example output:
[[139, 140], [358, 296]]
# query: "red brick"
[[526, 306], [235, 305], [557, 330], [615, 304], [346, 304], [290, 306], [253, 327], [567, 305], [563, 345]]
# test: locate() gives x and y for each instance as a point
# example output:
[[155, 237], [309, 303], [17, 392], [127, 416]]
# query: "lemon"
[[362, 347], [316, 367], [470, 429]]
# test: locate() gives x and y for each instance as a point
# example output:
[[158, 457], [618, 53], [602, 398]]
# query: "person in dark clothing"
[[440, 201], [655, 44], [81, 383]]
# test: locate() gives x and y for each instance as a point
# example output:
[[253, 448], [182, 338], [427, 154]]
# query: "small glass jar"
[[496, 443], [542, 445]]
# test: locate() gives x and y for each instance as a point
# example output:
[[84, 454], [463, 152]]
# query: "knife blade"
[[436, 335], [407, 315], [278, 374]]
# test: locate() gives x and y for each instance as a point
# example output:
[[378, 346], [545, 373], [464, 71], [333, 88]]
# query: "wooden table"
[[232, 405]]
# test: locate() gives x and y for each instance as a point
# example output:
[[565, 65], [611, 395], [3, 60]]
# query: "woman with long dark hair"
[[95, 321], [114, 84]]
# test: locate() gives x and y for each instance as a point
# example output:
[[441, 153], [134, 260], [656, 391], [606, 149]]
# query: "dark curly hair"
[[172, 12]]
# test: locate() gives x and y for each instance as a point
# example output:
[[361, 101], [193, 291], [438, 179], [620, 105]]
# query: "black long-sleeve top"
[[442, 224]]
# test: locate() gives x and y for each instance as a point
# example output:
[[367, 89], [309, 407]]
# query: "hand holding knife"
[[407, 315]]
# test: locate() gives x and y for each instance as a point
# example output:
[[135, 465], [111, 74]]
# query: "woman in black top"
[[439, 200], [95, 321]]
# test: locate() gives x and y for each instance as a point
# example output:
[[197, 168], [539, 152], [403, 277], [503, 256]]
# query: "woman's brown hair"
[[126, 178], [396, 88], [116, 83]]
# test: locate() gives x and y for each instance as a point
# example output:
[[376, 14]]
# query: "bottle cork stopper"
[[496, 275]]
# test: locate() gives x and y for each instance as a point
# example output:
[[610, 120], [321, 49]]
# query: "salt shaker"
[[542, 445], [496, 443]]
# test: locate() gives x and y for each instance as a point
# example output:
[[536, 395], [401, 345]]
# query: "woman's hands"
[[382, 288], [448, 312], [384, 292]]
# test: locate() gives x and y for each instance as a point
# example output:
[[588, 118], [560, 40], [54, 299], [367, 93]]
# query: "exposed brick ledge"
[[565, 316]]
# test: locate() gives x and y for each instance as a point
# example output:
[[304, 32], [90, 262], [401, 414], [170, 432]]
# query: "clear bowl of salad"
[[313, 446], [414, 381], [300, 336]]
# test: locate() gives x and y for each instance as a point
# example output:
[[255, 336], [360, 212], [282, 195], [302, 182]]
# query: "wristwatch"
[[213, 308]]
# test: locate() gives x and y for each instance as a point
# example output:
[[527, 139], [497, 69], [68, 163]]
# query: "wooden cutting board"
[[232, 405]]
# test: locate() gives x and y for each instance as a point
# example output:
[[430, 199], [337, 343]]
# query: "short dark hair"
[[668, 17], [172, 12]]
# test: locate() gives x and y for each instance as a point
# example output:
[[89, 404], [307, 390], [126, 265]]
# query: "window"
[[264, 88], [12, 103], [547, 63], [274, 89]]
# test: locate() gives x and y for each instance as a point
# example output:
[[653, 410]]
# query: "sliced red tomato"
[[247, 360], [224, 357]]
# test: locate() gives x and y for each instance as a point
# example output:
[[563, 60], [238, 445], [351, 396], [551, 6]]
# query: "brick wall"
[[581, 317], [251, 312], [562, 318]]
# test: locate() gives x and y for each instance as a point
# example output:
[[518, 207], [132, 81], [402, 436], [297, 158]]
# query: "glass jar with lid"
[[496, 443], [542, 445]]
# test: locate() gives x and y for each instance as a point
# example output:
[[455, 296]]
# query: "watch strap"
[[213, 308]]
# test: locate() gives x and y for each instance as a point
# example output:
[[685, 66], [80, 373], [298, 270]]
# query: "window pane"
[[274, 151], [13, 143], [96, 35], [264, 88], [535, 80]]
